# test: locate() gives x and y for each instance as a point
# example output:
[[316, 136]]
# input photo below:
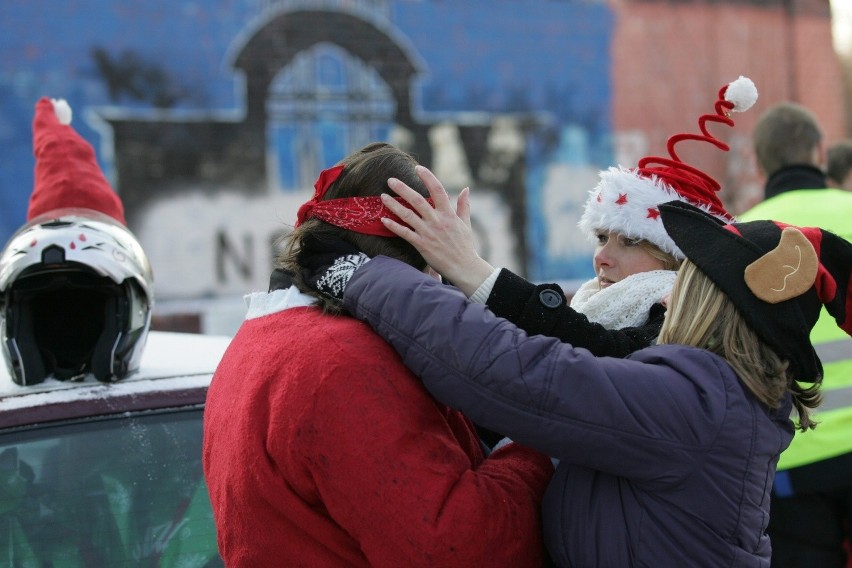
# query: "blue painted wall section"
[[179, 96]]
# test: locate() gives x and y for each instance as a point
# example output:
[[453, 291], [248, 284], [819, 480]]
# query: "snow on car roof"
[[170, 361]]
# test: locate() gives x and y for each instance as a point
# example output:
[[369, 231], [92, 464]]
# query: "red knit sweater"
[[321, 449]]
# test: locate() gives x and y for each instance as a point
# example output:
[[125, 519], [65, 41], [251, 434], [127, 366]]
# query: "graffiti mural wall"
[[212, 119]]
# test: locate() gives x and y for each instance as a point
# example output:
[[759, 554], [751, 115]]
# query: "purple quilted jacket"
[[665, 459]]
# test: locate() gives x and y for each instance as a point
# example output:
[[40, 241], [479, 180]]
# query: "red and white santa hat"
[[67, 173], [626, 200]]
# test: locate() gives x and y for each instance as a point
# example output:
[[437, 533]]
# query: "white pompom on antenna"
[[742, 93], [62, 110]]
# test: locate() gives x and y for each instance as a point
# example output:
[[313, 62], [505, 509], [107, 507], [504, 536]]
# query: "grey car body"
[[96, 474]]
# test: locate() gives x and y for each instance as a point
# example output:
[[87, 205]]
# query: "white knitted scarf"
[[625, 303]]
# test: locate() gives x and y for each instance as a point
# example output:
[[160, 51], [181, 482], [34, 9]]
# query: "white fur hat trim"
[[626, 202]]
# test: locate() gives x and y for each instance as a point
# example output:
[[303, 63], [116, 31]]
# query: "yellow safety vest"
[[830, 209]]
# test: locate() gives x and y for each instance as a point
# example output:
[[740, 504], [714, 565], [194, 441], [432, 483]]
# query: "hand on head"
[[441, 234]]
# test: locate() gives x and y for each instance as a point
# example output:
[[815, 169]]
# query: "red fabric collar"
[[358, 214]]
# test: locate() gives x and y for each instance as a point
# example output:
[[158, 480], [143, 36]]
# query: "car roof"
[[175, 370]]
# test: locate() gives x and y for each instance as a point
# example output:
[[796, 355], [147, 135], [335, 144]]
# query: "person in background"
[[666, 457], [811, 522], [839, 165], [322, 449]]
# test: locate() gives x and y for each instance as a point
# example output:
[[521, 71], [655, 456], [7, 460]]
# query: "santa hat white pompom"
[[62, 110], [742, 93]]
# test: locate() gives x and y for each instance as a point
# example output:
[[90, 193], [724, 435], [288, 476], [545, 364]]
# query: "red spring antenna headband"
[[696, 185]]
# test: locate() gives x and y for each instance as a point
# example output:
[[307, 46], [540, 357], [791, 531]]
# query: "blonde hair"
[[670, 262], [701, 315]]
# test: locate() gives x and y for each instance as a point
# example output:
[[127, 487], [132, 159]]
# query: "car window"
[[122, 491]]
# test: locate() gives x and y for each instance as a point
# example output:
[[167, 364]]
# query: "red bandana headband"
[[358, 214]]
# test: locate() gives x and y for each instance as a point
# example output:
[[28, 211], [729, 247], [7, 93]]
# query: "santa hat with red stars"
[[626, 200], [67, 174]]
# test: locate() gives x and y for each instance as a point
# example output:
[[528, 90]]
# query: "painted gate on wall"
[[212, 119]]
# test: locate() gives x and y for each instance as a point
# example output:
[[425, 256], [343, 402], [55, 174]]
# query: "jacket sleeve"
[[650, 417], [404, 475], [544, 310]]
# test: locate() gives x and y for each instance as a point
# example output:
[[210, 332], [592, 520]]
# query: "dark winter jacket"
[[543, 310], [665, 458], [792, 178]]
